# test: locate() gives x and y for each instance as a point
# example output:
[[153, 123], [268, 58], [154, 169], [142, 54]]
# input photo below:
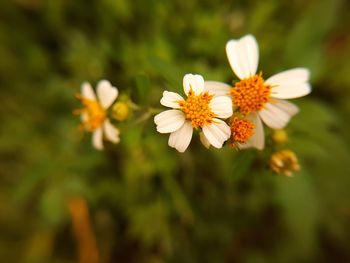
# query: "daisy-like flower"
[[94, 114], [260, 99], [201, 111]]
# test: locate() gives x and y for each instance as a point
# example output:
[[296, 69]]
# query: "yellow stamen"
[[250, 94], [95, 114], [197, 110], [241, 130]]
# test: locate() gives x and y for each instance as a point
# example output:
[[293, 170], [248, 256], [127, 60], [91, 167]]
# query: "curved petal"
[[181, 138], [169, 121], [111, 132], [204, 140], [87, 91], [258, 138], [196, 82], [106, 93], [217, 88], [97, 139], [290, 84], [217, 133], [171, 99], [243, 56], [221, 106], [276, 115]]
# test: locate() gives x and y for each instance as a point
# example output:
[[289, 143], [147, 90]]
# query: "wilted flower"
[[284, 162], [94, 114], [201, 110], [257, 98]]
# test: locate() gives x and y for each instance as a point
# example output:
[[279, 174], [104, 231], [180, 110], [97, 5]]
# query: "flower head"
[[247, 131], [258, 98], [241, 129], [202, 110], [284, 162], [94, 113]]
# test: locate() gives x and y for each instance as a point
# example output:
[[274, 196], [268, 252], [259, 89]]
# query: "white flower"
[[201, 110], [259, 99], [94, 115]]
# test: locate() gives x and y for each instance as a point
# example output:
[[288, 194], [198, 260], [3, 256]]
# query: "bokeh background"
[[140, 201]]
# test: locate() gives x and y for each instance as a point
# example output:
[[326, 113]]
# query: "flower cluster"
[[220, 111]]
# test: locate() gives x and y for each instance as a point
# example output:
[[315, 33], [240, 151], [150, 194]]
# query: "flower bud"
[[120, 111], [280, 136]]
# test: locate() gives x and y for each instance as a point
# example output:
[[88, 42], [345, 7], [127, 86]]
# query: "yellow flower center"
[[250, 94], [241, 130], [95, 114], [197, 110]]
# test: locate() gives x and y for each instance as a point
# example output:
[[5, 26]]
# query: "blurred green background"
[[146, 202]]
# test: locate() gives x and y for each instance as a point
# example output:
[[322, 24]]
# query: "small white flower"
[[259, 99], [201, 110], [94, 113]]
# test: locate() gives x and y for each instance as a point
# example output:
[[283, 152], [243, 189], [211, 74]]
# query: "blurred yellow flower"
[[284, 162]]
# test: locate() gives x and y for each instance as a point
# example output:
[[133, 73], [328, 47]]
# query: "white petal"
[[87, 91], [217, 88], [97, 139], [204, 140], [111, 132], [296, 75], [181, 138], [196, 82], [258, 139], [221, 106], [171, 99], [290, 84], [286, 106], [243, 56], [169, 121], [106, 93], [217, 133], [276, 115]]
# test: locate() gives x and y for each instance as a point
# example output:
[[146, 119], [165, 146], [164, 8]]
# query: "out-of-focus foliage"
[[147, 202]]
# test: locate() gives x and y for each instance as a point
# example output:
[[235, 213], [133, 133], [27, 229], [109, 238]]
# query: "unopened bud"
[[284, 162], [280, 136], [120, 111]]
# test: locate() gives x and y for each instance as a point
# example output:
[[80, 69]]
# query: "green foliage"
[[147, 202]]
